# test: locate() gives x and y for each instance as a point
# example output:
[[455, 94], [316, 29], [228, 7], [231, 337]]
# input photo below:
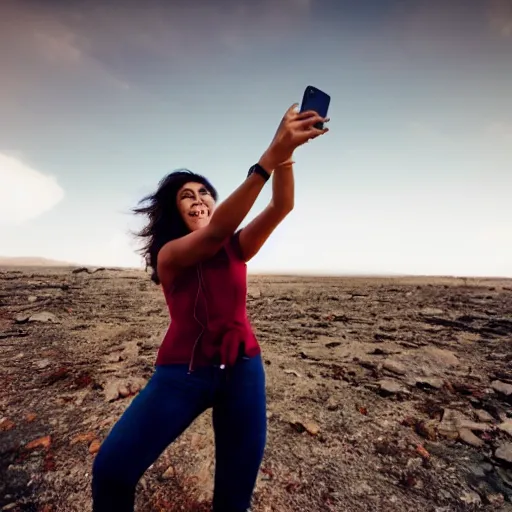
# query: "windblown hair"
[[164, 220]]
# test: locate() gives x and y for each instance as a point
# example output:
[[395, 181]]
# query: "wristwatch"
[[256, 168]]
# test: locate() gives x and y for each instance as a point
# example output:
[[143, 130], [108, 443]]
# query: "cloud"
[[113, 250], [500, 17], [125, 47], [59, 46], [25, 193], [43, 41], [38, 32]]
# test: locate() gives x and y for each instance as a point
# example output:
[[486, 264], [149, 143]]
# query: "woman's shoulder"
[[231, 252]]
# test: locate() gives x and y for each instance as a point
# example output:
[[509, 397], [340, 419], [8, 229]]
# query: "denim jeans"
[[172, 399]]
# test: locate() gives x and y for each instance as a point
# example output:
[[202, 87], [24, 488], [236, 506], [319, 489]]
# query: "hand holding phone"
[[316, 100], [294, 130]]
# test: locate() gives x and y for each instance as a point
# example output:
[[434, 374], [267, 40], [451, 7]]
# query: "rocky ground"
[[384, 394]]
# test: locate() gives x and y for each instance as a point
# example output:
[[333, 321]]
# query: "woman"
[[209, 356]]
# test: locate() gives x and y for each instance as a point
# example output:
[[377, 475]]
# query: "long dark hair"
[[164, 220]]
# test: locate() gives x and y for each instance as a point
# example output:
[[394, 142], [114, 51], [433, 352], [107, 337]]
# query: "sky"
[[100, 100]]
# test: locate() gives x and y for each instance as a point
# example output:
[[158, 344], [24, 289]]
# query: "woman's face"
[[195, 204]]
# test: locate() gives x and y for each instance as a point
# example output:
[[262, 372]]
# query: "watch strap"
[[258, 169]]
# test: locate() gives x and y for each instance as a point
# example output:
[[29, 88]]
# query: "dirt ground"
[[384, 394]]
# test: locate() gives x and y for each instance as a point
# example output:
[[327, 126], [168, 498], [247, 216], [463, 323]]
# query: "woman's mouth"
[[199, 212]]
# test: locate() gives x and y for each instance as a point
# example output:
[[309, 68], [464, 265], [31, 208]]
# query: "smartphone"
[[317, 100]]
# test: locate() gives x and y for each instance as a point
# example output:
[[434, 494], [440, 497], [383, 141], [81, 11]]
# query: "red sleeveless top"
[[207, 306]]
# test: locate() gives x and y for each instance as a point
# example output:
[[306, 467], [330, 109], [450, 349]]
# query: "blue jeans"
[[170, 402]]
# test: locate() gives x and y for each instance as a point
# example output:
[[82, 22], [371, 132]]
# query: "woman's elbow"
[[284, 209]]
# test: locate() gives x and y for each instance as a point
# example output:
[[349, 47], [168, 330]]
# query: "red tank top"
[[207, 306]]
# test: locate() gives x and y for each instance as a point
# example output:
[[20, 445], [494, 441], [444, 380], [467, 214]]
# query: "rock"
[[471, 498], [57, 375], [6, 424], [42, 442], [312, 428], [113, 358], [394, 367], [409, 421], [22, 318], [87, 437], [441, 357], [305, 426], [495, 499], [30, 417], [168, 473], [79, 270], [432, 311], [32, 298], [44, 317], [454, 421], [483, 416], [293, 372], [332, 404], [505, 475], [107, 422], [449, 426], [467, 389], [506, 427], [427, 429], [429, 383], [471, 425], [369, 364], [116, 387], [43, 363], [111, 390], [131, 351], [480, 470], [124, 391], [383, 352], [136, 384], [504, 453], [420, 449], [94, 447], [390, 387], [502, 388], [468, 437]]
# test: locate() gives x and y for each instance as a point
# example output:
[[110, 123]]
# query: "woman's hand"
[[295, 129]]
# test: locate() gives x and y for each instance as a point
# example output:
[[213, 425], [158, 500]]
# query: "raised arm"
[[293, 131], [255, 234]]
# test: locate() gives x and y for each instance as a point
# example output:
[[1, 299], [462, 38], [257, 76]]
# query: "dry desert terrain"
[[384, 394]]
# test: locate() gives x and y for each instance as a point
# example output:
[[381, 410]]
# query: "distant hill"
[[28, 261]]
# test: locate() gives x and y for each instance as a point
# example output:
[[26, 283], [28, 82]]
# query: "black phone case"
[[317, 100]]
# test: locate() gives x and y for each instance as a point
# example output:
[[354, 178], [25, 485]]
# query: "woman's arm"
[[205, 242], [294, 130], [255, 234]]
